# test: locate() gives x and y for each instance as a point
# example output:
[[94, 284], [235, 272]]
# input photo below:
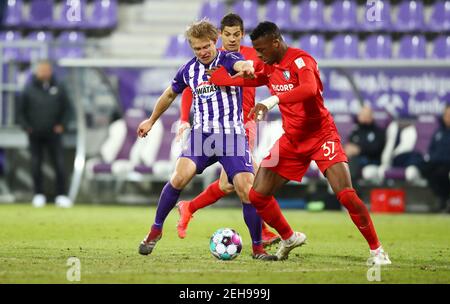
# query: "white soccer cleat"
[[63, 201], [296, 240], [379, 257], [39, 201]]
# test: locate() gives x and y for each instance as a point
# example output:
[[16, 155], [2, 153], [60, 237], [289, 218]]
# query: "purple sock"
[[254, 223], [167, 200]]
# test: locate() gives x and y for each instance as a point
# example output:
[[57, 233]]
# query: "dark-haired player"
[[293, 78]]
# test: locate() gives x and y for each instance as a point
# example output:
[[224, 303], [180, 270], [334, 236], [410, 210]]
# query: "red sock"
[[208, 197], [258, 249], [269, 210], [153, 234], [360, 216], [265, 227]]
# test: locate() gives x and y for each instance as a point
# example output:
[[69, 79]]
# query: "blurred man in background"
[[43, 109], [365, 144], [436, 168]]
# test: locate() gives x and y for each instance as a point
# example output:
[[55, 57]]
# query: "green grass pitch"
[[36, 243]]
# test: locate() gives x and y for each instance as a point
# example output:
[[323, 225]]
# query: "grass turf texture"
[[36, 243]]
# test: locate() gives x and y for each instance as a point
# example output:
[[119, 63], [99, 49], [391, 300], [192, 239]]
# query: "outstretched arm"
[[163, 103], [221, 77]]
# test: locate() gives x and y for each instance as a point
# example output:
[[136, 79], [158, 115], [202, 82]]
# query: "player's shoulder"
[[231, 55], [300, 58], [247, 51], [192, 61]]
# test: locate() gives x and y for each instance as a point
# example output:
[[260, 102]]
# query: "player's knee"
[[242, 185], [179, 181], [226, 187], [242, 192]]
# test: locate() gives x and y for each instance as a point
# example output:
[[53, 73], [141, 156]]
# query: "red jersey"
[[310, 133], [248, 95], [300, 117]]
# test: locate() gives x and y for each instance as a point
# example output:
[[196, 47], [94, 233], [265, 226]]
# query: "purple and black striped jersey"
[[217, 109]]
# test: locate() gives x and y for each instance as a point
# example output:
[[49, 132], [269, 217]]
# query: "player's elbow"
[[310, 91]]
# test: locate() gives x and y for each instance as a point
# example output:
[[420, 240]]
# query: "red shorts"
[[291, 159]]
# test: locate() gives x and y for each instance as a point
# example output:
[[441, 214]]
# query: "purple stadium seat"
[[345, 46], [130, 122], [104, 15], [343, 16], [383, 8], [441, 47], [178, 48], [41, 14], [248, 10], [313, 44], [38, 52], [412, 46], [425, 127], [310, 16], [14, 15], [10, 53], [410, 16], [71, 18], [213, 10], [396, 173], [70, 45], [379, 46], [279, 12], [165, 146], [440, 16]]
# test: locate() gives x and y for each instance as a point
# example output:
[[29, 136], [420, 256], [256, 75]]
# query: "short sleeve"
[[178, 82], [230, 59]]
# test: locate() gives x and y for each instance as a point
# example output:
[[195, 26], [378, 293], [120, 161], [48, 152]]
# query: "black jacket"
[[42, 107], [439, 150], [370, 139]]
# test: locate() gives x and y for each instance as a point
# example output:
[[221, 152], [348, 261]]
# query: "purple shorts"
[[230, 150]]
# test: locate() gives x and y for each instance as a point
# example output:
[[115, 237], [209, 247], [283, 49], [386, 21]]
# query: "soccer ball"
[[225, 244]]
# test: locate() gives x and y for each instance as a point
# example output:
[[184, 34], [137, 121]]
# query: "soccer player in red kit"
[[293, 78], [232, 32]]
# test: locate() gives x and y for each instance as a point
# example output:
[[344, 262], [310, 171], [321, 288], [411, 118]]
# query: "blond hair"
[[202, 29]]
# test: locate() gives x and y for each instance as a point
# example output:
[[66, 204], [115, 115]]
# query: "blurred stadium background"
[[116, 57]]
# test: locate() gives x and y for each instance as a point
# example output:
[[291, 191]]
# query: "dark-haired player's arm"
[[221, 77], [305, 91]]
